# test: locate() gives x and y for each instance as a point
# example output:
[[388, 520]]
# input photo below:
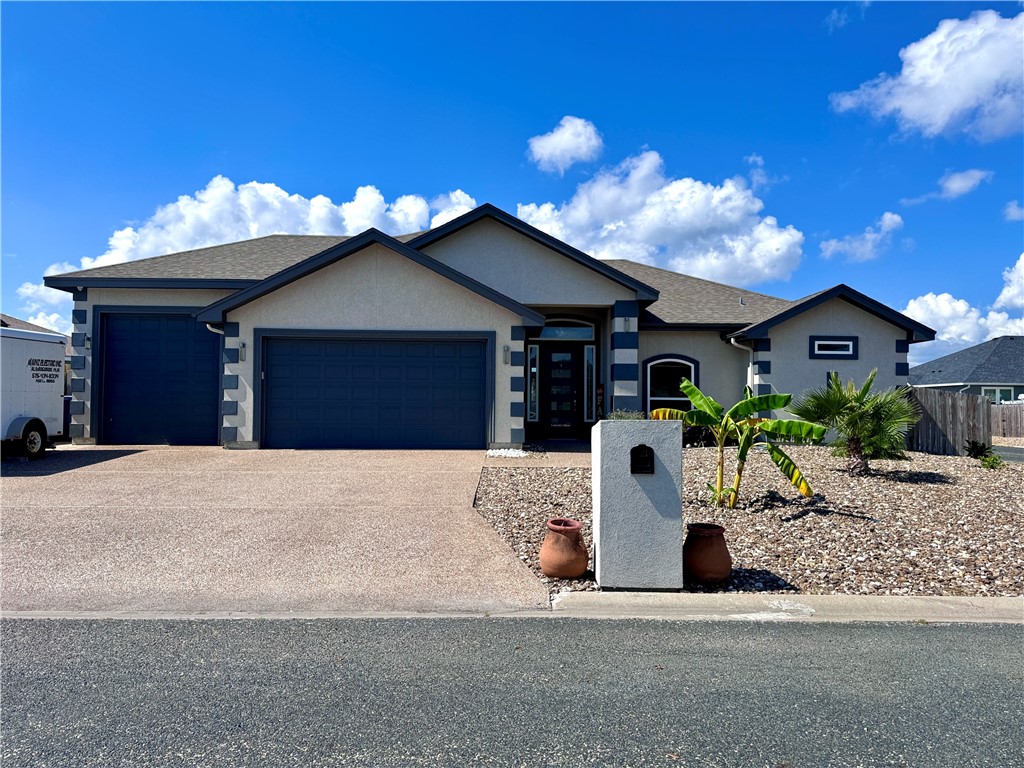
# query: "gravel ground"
[[934, 525]]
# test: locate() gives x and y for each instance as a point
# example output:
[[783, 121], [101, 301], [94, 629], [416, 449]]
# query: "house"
[[994, 368], [482, 332]]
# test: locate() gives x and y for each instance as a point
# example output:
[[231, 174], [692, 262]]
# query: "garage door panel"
[[160, 380], [388, 394]]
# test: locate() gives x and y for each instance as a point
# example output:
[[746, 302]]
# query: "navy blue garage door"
[[374, 393], [160, 380]]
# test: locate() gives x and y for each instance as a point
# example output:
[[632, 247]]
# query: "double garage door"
[[374, 393], [160, 384]]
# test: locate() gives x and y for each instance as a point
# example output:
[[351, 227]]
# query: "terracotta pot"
[[706, 557], [563, 555]]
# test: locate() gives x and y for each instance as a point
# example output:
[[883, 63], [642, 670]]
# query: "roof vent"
[[743, 302]]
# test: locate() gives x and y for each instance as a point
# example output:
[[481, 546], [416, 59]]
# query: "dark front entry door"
[[561, 391]]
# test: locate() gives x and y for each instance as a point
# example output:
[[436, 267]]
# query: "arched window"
[[662, 375]]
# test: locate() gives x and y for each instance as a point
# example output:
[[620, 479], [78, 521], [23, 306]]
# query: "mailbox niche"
[[641, 460]]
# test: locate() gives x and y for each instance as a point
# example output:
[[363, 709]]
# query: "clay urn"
[[706, 558], [563, 554]]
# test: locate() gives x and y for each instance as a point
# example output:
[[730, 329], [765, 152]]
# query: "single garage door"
[[160, 380], [374, 393]]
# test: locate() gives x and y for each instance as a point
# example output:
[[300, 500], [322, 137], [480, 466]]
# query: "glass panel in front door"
[[561, 391]]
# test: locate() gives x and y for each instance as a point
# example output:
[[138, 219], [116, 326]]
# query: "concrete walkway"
[[203, 530]]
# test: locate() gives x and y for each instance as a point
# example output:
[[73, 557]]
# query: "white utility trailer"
[[32, 394]]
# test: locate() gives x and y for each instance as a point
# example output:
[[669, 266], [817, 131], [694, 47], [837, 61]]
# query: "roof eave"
[[71, 284], [720, 327]]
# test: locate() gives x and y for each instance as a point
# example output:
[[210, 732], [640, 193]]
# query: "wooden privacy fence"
[[1008, 420], [948, 420]]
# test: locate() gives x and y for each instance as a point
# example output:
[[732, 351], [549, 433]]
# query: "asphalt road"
[[530, 692]]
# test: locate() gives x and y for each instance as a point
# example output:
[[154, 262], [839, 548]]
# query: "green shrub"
[[992, 461], [622, 415], [976, 449]]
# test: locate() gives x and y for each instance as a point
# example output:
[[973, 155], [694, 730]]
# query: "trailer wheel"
[[33, 440]]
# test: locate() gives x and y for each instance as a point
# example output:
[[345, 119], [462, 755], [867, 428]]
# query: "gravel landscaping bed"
[[934, 525]]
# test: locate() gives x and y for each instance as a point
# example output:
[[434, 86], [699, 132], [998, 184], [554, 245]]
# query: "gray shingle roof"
[[248, 260], [997, 361], [687, 300]]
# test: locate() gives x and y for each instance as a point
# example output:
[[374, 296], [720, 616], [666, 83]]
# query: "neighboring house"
[[482, 332], [7, 321], [994, 368]]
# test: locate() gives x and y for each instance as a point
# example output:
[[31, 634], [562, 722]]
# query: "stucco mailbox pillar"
[[637, 473]]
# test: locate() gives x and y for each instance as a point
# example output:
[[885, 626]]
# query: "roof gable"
[[644, 292], [997, 361], [216, 312], [915, 331]]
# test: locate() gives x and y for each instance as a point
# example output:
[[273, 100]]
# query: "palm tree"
[[870, 425]]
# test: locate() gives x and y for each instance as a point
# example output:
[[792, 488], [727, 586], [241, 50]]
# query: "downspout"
[[209, 327], [750, 365]]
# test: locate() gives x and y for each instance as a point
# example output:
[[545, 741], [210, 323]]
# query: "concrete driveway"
[[200, 530]]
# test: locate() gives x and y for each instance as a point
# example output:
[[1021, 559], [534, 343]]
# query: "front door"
[[561, 391]]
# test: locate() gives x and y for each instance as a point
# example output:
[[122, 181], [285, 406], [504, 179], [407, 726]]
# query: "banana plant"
[[742, 424]]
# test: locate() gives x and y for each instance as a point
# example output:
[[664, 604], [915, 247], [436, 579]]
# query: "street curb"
[[646, 605], [814, 608]]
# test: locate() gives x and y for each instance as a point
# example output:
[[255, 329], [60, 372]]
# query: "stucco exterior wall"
[[523, 269], [794, 372], [83, 317], [375, 289], [722, 369]]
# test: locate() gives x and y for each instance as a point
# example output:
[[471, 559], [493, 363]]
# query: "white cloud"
[[967, 75], [53, 320], [760, 181], [450, 206], [1013, 211], [222, 212], [633, 211], [958, 325], [867, 245], [956, 185], [573, 140], [836, 19], [953, 185], [1012, 295]]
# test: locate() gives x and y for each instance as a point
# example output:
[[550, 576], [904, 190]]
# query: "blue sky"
[[785, 147]]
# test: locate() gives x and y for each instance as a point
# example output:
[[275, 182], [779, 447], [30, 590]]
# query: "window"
[[833, 348], [556, 329], [998, 394], [589, 379], [663, 375], [532, 385]]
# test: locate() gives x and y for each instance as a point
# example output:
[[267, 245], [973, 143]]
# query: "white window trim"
[[647, 394], [848, 347], [992, 393]]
